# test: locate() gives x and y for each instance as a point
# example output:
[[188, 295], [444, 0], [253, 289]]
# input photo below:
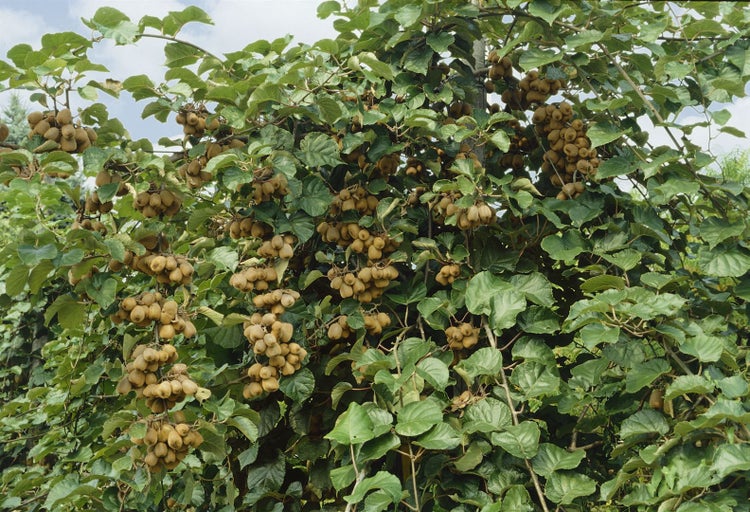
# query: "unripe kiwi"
[[189, 387], [253, 389], [124, 386], [166, 331], [138, 314], [64, 116], [68, 132], [270, 385], [34, 117]]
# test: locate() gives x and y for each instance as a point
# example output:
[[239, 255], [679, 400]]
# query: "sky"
[[236, 24]]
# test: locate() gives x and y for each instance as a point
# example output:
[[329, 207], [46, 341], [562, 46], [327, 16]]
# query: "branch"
[[514, 415]]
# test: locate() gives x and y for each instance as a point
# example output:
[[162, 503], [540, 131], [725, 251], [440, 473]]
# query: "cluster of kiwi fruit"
[[365, 285], [570, 158], [414, 167], [167, 444], [279, 246], [353, 198], [500, 67], [151, 307], [89, 224], [465, 152], [268, 185], [376, 322], [355, 156], [194, 120], [339, 329], [478, 214], [173, 388], [58, 129], [103, 178], [169, 269], [520, 146], [193, 170], [460, 108], [448, 273], [387, 165], [157, 201], [247, 227], [145, 362], [276, 301], [254, 278], [271, 338], [532, 90], [463, 335], [360, 240]]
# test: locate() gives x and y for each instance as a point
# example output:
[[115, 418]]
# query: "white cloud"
[[134, 9], [239, 23], [18, 26]]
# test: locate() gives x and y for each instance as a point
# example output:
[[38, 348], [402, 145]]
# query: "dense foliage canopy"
[[435, 263]]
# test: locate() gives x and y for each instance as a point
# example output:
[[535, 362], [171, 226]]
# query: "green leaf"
[[354, 426], [583, 38], [551, 458], [564, 247], [486, 415], [325, 9], [646, 422], [535, 287], [298, 386], [546, 10], [39, 275], [418, 417], [603, 133], [381, 69], [440, 41], [225, 258], [330, 111], [535, 57], [114, 24], [485, 361], [520, 440], [378, 447], [616, 166], [536, 379], [221, 161], [731, 458], [102, 289], [315, 196], [480, 290], [707, 349], [644, 374], [724, 261], [408, 14], [685, 384], [602, 282], [501, 140], [442, 437], [434, 371], [244, 425], [564, 487], [471, 459], [31, 255], [319, 150], [15, 281], [382, 480]]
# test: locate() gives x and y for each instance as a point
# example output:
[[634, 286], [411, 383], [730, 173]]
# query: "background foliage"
[[602, 357]]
